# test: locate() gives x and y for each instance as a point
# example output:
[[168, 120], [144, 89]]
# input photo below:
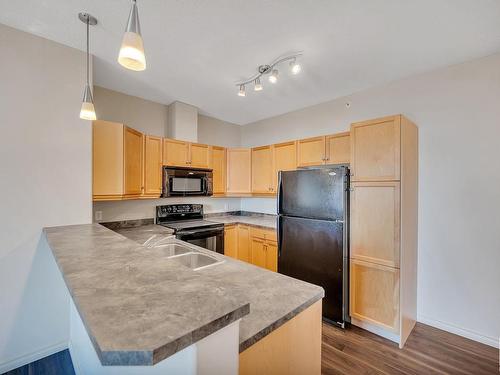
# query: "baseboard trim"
[[491, 341], [32, 357], [376, 330]]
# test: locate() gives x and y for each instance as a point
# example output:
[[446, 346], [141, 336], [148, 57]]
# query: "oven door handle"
[[203, 231]]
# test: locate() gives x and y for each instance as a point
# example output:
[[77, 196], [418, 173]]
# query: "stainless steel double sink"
[[188, 256]]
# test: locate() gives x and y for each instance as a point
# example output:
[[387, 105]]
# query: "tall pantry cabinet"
[[383, 233]]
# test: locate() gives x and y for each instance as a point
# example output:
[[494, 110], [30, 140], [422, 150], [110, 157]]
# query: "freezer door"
[[311, 250], [312, 193]]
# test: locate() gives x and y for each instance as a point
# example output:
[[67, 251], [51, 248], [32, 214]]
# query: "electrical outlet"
[[98, 215]]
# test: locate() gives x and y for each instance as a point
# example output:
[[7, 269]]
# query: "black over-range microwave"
[[186, 182]]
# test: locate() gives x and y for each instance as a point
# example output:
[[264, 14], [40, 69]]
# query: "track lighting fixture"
[[132, 50], [271, 70], [273, 78], [87, 112], [242, 91]]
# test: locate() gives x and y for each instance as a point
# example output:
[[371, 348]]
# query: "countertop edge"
[[278, 323]]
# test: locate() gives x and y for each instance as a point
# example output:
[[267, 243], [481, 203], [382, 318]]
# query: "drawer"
[[264, 234]]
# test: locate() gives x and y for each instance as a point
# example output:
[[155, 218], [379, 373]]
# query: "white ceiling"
[[197, 49]]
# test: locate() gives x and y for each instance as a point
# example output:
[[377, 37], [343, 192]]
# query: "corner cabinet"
[[239, 164], [383, 233]]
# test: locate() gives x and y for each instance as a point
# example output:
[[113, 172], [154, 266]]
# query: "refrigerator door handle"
[[279, 192], [278, 234]]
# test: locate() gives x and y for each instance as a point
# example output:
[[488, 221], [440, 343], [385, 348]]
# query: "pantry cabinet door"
[[338, 148], [375, 222], [175, 153], [262, 170], [311, 151], [374, 294], [153, 161], [375, 149], [198, 155], [231, 241], [285, 159], [239, 161], [218, 165], [244, 252], [133, 145]]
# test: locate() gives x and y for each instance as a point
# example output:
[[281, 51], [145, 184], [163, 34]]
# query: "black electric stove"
[[188, 224]]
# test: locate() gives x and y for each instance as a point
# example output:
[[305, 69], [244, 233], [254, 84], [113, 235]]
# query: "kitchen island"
[[140, 307]]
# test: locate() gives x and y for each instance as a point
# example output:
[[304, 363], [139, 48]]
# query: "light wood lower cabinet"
[[292, 349], [374, 294], [218, 165], [153, 161], [231, 241], [244, 253], [253, 245], [239, 162]]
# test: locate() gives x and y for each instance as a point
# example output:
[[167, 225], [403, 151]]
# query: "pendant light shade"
[[87, 112], [131, 54]]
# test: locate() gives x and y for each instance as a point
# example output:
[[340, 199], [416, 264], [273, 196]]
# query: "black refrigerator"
[[313, 233]]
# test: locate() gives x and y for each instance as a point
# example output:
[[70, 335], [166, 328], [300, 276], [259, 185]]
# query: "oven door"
[[211, 239]]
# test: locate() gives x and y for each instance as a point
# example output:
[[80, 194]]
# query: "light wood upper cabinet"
[[198, 155], [153, 161], [311, 151], [285, 159], [133, 162], [107, 160], [239, 161], [374, 294], [375, 222], [375, 149], [218, 165], [262, 170], [338, 148], [244, 253], [175, 153], [231, 241]]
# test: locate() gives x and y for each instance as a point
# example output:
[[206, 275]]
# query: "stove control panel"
[[178, 212]]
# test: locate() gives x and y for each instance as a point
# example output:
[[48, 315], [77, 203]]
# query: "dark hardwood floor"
[[56, 364], [427, 351]]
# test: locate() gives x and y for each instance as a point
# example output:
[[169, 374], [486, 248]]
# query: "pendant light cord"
[[88, 18]]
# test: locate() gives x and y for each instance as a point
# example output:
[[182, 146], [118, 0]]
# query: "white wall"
[[45, 169], [457, 110], [147, 116], [213, 131]]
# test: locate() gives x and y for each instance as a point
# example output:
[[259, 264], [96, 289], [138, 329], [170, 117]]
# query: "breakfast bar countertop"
[[140, 307]]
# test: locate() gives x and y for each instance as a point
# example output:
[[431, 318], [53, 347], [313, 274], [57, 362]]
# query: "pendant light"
[[87, 112], [131, 54]]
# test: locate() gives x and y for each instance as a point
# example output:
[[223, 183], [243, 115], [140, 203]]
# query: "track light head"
[[258, 85], [242, 91], [295, 67], [273, 78]]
